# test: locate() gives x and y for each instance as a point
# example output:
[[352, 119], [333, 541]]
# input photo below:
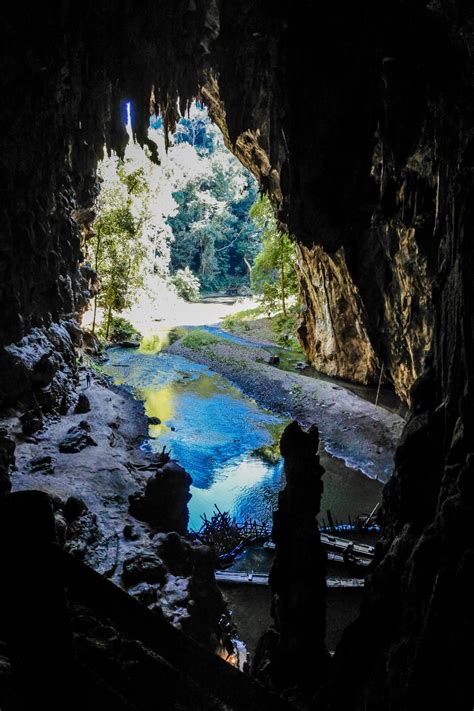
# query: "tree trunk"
[[95, 315], [109, 320], [282, 287], [96, 266]]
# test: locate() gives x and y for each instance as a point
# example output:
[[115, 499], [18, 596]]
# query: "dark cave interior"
[[358, 123]]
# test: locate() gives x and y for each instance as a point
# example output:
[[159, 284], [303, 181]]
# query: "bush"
[[120, 330], [285, 328], [187, 285], [198, 339]]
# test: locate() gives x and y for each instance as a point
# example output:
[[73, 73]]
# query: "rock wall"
[[333, 329]]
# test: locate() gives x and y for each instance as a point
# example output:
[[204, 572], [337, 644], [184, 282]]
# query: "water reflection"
[[210, 427], [214, 430]]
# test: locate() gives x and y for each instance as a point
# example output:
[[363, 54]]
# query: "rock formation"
[[291, 655], [175, 578], [164, 503]]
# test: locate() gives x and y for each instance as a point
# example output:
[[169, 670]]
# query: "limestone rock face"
[[39, 370], [333, 327]]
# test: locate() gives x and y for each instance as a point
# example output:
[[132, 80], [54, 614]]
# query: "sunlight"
[[129, 119], [190, 212], [159, 403]]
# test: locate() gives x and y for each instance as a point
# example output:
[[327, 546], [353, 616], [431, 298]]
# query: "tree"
[[273, 274], [117, 246], [213, 234]]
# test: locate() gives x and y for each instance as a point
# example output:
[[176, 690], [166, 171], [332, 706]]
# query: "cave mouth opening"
[[175, 232]]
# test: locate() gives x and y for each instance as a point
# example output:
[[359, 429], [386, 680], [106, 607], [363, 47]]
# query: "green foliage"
[[285, 328], [116, 246], [271, 452], [239, 318], [119, 330], [187, 285], [213, 233], [198, 338], [273, 273]]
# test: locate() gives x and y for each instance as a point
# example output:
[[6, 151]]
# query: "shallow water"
[[213, 430]]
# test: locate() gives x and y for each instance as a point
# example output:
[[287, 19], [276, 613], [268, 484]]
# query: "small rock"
[[42, 465], [83, 405], [38, 462], [114, 424], [129, 344], [154, 421], [129, 533], [300, 365], [274, 360]]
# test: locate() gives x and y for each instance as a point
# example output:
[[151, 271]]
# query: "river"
[[214, 431]]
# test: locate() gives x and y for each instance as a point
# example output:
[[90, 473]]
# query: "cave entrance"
[[199, 295], [179, 247]]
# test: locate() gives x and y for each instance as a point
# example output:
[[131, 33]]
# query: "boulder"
[[73, 508], [32, 421], [91, 343], [129, 344], [164, 503], [83, 405], [77, 438]]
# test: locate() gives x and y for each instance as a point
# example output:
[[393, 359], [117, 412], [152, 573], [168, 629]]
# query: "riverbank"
[[102, 474], [89, 462], [359, 433]]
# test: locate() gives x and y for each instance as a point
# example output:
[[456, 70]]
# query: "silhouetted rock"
[[73, 508], [293, 655], [130, 533], [154, 421], [7, 460], [164, 504]]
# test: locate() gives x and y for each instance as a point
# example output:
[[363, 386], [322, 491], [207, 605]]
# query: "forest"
[[195, 224]]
